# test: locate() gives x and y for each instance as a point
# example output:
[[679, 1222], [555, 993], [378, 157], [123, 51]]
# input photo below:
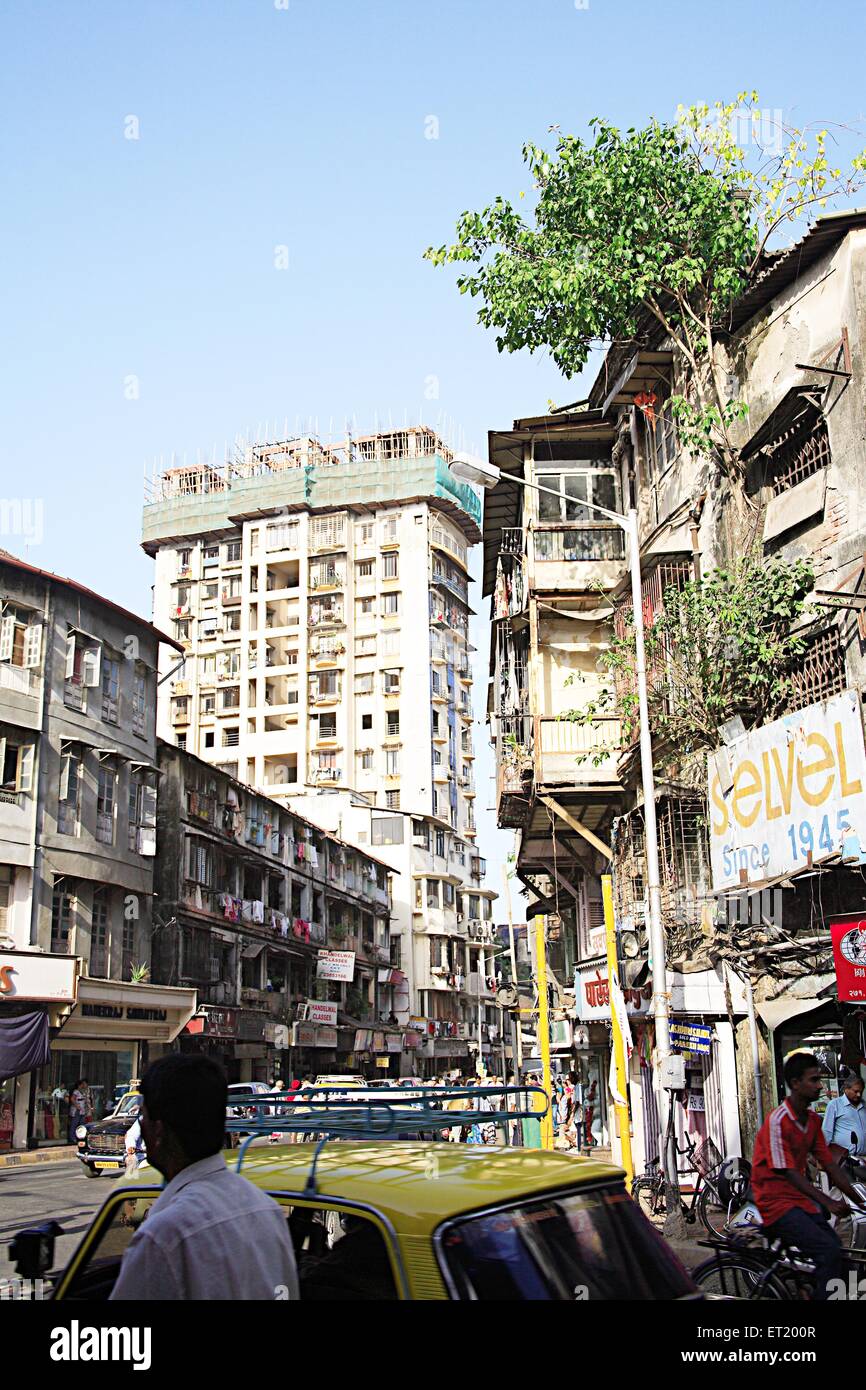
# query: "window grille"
[[799, 452], [820, 671]]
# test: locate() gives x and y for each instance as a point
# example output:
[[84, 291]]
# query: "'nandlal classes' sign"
[[789, 793]]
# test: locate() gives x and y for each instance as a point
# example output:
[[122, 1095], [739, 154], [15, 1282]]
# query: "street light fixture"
[[486, 475]]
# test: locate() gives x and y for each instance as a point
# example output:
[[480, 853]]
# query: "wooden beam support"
[[576, 825]]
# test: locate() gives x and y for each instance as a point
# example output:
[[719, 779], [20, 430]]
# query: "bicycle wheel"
[[711, 1211], [649, 1194], [737, 1276]]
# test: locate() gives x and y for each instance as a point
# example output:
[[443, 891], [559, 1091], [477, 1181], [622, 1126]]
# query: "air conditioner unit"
[[475, 926]]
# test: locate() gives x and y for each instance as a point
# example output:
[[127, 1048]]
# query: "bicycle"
[[705, 1203]]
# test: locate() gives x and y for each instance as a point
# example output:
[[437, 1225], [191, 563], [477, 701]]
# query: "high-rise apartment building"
[[321, 597]]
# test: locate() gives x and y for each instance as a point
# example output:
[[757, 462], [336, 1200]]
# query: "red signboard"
[[849, 955]]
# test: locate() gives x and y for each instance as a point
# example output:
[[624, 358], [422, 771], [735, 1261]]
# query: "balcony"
[[230, 599], [477, 866], [573, 754], [578, 557]]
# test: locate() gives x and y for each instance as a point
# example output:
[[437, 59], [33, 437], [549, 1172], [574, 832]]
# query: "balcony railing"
[[18, 678], [588, 542]]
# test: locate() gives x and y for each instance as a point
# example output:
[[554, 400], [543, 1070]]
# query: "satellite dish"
[[507, 997], [629, 944]]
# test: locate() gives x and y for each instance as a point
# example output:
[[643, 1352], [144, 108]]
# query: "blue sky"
[[304, 126]]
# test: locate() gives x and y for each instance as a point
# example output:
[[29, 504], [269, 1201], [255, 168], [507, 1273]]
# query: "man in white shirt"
[[210, 1234]]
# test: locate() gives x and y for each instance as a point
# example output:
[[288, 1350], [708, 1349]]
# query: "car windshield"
[[593, 1245], [128, 1106]]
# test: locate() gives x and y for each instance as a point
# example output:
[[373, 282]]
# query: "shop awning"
[[777, 1011]]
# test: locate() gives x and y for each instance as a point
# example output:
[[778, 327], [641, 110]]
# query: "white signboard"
[[320, 1012], [37, 976], [789, 794], [336, 965]]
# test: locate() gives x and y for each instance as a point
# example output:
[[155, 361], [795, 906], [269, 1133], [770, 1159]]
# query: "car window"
[[129, 1105], [593, 1245], [340, 1256], [95, 1276]]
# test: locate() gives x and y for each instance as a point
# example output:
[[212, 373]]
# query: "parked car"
[[497, 1223], [237, 1091], [102, 1143]]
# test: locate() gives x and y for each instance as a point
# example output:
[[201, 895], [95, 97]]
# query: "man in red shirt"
[[790, 1205]]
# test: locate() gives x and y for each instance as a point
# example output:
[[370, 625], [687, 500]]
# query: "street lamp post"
[[486, 475]]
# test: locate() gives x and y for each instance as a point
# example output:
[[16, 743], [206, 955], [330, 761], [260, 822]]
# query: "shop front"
[[112, 1033], [213, 1032], [37, 994]]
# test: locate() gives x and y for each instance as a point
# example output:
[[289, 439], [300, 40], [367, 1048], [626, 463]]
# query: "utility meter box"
[[673, 1073]]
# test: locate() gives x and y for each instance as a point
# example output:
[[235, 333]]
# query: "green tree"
[[666, 223]]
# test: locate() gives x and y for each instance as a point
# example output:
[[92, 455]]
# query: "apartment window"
[[366, 721], [802, 450], [366, 760], [419, 894], [105, 788], [591, 484], [181, 741], [366, 533], [232, 587], [390, 564], [459, 852], [421, 833], [389, 528], [110, 688], [209, 738], [231, 736], [233, 552], [387, 830], [99, 933], [437, 758], [16, 763], [83, 668], [820, 671], [435, 718], [433, 892], [183, 559], [210, 555], [364, 607], [391, 682], [207, 668], [326, 761], [392, 801], [207, 705], [390, 605], [440, 843], [392, 762], [141, 835], [364, 684], [392, 723], [7, 875], [659, 431], [20, 638], [282, 535], [365, 646], [230, 697], [139, 699], [62, 917], [447, 894], [181, 630], [328, 531], [69, 797], [210, 592], [232, 622], [327, 726], [366, 569]]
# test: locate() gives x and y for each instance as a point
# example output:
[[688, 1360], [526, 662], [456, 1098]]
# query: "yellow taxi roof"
[[419, 1184]]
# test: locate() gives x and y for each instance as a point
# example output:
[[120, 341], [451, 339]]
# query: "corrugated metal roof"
[[7, 558]]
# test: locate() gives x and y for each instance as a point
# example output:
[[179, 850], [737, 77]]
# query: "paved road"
[[37, 1191]]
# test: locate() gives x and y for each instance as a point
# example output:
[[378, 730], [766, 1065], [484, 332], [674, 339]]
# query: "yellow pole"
[[543, 1028], [618, 1043]]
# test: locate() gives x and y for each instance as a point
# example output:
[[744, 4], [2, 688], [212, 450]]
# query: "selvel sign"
[[789, 794]]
